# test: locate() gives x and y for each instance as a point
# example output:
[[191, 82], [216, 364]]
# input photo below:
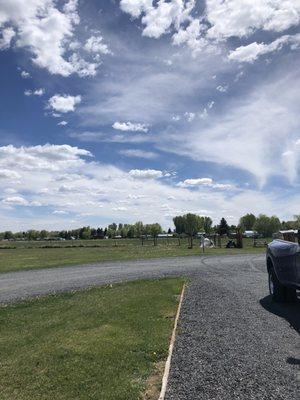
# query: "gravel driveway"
[[232, 342]]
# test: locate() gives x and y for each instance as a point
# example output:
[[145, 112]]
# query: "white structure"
[[250, 234]]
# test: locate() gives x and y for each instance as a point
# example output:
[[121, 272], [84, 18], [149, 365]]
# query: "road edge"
[[171, 347]]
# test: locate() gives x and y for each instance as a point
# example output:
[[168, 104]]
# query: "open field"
[[15, 256], [101, 343]]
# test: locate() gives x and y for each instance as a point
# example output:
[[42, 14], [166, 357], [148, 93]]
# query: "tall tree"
[[247, 222], [179, 224], [192, 224], [207, 224], [266, 226], [85, 232], [155, 229], [138, 229], [223, 228], [8, 235]]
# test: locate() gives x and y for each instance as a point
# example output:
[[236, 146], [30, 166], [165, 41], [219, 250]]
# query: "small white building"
[[165, 235], [250, 234]]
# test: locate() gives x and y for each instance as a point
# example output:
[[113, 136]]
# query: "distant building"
[[165, 235], [250, 234]]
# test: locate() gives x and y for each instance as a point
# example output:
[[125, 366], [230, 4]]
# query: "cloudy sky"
[[126, 110]]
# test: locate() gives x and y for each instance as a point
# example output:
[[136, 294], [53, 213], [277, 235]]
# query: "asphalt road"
[[232, 342]]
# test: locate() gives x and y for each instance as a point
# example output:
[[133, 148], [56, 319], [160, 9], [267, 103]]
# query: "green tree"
[[192, 224], [266, 226], [85, 233], [130, 232], [112, 230], [179, 222], [43, 234], [207, 224], [8, 235], [155, 230], [223, 228], [138, 229], [32, 234], [247, 222]]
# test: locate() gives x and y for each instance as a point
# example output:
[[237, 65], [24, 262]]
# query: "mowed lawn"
[[102, 343], [15, 256]]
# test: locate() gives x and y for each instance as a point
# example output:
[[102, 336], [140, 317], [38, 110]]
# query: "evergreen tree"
[[223, 228]]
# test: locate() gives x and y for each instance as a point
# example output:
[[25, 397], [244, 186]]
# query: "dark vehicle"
[[283, 264]]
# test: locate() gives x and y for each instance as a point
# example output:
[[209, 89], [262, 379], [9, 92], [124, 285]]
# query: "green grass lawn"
[[102, 343], [35, 255]]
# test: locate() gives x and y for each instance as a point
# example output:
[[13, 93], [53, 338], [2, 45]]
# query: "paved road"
[[233, 342]]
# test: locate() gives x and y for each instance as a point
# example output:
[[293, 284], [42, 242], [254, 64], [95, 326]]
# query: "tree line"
[[113, 230], [188, 224]]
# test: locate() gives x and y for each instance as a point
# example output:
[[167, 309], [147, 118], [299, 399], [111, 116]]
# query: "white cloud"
[[222, 89], [10, 191], [204, 182], [82, 67], [46, 157], [94, 44], [119, 208], [204, 113], [222, 186], [9, 174], [190, 116], [129, 126], [220, 20], [45, 30], [241, 18], [88, 136], [63, 103], [253, 50], [25, 74], [145, 173], [198, 182], [137, 153], [135, 7], [172, 91], [62, 123], [251, 133], [191, 36], [46, 169], [59, 212], [7, 36], [15, 201], [158, 19], [37, 92]]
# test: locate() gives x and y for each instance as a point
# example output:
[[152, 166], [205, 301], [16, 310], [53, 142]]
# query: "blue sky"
[[143, 110]]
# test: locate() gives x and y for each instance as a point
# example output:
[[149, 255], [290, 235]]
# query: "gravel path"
[[19, 285], [232, 343]]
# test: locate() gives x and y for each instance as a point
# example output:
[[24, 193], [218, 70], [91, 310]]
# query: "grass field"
[[99, 344], [15, 256]]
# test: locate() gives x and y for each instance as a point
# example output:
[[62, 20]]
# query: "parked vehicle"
[[283, 265]]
